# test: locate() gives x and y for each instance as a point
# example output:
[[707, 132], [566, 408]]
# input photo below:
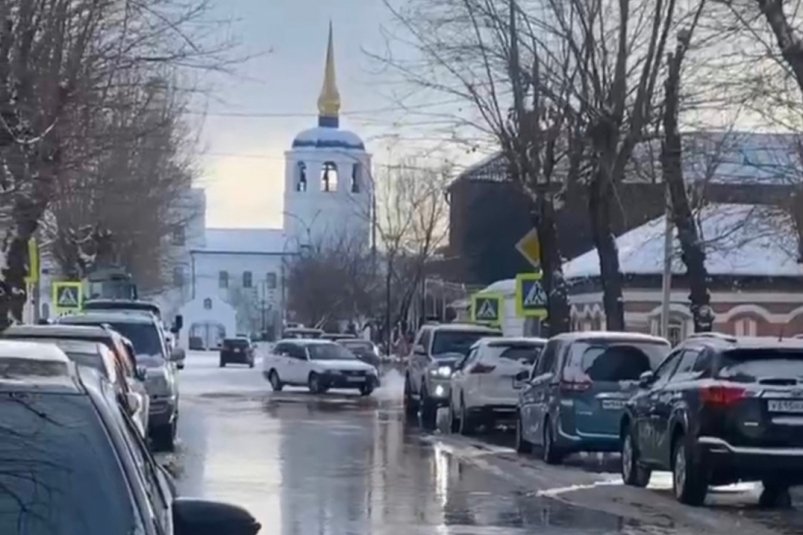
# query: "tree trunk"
[[545, 223], [693, 252], [600, 193]]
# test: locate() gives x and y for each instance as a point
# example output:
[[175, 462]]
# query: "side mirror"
[[201, 517], [134, 403], [646, 379], [178, 323], [178, 355], [141, 373], [522, 376]]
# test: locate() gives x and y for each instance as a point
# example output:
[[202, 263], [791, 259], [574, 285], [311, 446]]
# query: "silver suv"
[[436, 350], [161, 382]]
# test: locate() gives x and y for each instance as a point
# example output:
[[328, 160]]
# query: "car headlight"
[[441, 371]]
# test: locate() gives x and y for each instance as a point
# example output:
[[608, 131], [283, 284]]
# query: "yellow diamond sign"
[[530, 248]]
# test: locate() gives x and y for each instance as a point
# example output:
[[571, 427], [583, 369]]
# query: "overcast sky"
[[243, 165]]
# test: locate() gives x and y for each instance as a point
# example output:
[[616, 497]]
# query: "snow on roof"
[[740, 240], [244, 240], [323, 137]]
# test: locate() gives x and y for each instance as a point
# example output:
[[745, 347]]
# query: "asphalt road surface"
[[341, 464]]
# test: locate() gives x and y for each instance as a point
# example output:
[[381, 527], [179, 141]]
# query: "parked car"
[[577, 391], [365, 350], [719, 410], [151, 352], [86, 469], [319, 365], [238, 350], [130, 376], [485, 384], [302, 332], [436, 350]]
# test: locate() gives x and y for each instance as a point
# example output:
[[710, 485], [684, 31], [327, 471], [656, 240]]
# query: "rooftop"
[[740, 240], [244, 240], [611, 335]]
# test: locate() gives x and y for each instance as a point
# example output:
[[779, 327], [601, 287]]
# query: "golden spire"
[[329, 101]]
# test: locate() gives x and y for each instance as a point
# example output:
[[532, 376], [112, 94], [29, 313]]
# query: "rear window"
[[756, 365], [524, 353], [58, 472], [445, 342], [612, 360], [358, 345]]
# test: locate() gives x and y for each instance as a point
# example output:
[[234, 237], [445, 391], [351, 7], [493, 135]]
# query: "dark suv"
[[73, 462], [718, 410], [237, 350]]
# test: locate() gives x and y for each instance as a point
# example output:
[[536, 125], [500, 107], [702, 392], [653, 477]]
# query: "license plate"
[[785, 405], [354, 379], [236, 350], [613, 404]]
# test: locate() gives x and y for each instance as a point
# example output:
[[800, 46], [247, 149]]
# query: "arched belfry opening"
[[329, 177]]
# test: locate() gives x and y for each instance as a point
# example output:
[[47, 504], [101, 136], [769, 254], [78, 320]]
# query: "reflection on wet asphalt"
[[342, 464]]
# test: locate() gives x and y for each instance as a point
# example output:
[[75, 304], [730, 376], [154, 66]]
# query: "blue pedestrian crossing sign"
[[67, 296], [487, 308], [531, 299]]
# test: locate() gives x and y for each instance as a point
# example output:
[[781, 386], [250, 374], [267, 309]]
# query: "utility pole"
[[666, 287]]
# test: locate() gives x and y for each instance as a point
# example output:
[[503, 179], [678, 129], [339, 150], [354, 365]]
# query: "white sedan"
[[485, 384], [319, 365]]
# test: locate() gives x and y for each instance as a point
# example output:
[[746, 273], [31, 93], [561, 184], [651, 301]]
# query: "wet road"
[[344, 465]]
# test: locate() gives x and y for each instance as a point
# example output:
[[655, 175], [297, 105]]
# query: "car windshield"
[[613, 360], [58, 472], [446, 343], [518, 352], [771, 366], [329, 352]]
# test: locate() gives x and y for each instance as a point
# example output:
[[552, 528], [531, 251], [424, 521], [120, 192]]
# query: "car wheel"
[[775, 495], [454, 420], [522, 446], [366, 389], [275, 383], [633, 473], [410, 404], [314, 384], [688, 480], [429, 412], [551, 453], [467, 426]]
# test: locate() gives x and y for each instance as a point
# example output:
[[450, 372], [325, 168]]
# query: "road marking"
[[551, 493]]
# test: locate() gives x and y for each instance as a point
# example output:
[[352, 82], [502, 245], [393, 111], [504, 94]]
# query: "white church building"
[[231, 281]]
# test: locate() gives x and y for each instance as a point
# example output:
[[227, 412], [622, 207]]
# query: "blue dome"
[[323, 137]]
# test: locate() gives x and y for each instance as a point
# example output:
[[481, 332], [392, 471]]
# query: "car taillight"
[[482, 368], [574, 386], [721, 396]]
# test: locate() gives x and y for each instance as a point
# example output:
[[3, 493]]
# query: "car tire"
[[467, 423], [366, 389], [633, 474], [775, 495], [429, 412], [522, 446], [251, 364], [550, 451], [164, 437], [454, 420], [689, 484], [410, 404], [314, 384], [275, 383]]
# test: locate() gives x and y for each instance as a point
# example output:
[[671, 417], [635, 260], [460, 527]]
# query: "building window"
[[248, 279], [178, 276], [329, 176], [223, 279], [271, 281], [207, 304], [301, 176], [177, 236], [355, 178]]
